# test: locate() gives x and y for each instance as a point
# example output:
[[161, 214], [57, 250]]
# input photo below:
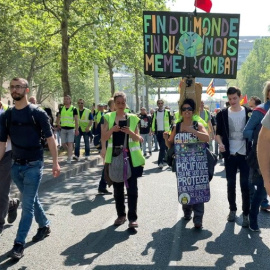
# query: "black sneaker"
[[12, 211], [17, 251], [104, 191], [41, 233]]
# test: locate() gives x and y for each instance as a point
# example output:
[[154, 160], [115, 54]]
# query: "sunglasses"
[[187, 109]]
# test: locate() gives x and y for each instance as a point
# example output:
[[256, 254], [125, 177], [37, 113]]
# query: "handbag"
[[119, 168], [212, 162], [170, 154]]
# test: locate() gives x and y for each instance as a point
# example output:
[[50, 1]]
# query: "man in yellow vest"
[[8, 207], [68, 116], [161, 122], [85, 119], [206, 116]]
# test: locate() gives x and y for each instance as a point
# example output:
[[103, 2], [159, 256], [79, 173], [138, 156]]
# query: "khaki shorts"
[[67, 135]]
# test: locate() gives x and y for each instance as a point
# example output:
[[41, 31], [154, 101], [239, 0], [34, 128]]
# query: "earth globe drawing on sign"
[[191, 45], [184, 198]]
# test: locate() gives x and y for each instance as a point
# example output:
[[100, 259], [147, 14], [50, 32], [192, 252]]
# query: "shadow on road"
[[245, 243], [94, 245]]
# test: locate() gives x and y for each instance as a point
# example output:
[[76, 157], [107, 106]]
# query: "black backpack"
[[34, 123]]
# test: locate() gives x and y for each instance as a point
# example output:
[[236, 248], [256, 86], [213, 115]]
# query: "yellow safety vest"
[[67, 118], [134, 147], [5, 106], [195, 117], [84, 119], [98, 116], [166, 121], [206, 118], [127, 110]]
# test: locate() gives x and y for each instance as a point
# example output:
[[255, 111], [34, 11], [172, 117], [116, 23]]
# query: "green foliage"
[[255, 71], [31, 43]]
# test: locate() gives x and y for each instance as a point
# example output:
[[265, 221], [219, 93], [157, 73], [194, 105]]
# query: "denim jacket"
[[253, 125]]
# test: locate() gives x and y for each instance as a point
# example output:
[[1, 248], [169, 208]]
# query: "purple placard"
[[191, 169]]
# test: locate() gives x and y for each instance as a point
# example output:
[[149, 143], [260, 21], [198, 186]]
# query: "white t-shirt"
[[237, 122], [160, 121]]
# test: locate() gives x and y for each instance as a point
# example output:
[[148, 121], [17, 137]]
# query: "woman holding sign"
[[191, 162]]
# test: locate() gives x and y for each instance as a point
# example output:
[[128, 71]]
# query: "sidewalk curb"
[[67, 171]]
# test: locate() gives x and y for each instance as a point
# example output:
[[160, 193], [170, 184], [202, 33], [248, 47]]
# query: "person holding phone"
[[116, 125]]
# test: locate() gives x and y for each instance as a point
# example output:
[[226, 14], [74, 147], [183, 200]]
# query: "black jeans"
[[162, 146], [232, 163], [132, 194]]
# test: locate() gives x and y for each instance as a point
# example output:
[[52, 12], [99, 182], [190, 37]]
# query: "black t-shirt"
[[145, 123], [24, 128]]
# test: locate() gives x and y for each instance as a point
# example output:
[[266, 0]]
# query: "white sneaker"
[[160, 165], [76, 158], [87, 158], [69, 161]]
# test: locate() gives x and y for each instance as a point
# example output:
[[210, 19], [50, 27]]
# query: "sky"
[[254, 15]]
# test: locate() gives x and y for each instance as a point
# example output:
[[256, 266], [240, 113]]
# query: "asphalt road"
[[83, 236]]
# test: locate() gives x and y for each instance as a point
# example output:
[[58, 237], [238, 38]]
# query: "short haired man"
[[32, 100], [68, 117], [145, 130], [23, 123], [85, 119], [230, 125], [161, 122], [207, 117]]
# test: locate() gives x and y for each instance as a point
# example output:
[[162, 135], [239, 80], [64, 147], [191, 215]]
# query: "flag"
[[244, 100], [205, 5], [211, 88]]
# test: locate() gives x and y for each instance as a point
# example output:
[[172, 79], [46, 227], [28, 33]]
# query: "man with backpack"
[[251, 132], [23, 124]]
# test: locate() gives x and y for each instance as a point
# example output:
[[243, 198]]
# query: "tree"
[[255, 71]]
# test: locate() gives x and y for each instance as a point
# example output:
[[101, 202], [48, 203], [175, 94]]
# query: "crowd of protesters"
[[237, 134]]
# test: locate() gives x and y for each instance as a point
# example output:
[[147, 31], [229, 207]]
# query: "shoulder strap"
[[195, 125], [177, 127], [262, 110]]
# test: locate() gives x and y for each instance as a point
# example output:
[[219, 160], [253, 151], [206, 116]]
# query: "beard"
[[17, 96]]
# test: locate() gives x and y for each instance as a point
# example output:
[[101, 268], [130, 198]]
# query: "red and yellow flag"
[[244, 100], [211, 88]]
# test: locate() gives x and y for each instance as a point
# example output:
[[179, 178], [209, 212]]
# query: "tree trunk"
[[137, 89], [110, 65], [65, 48], [31, 74], [158, 91]]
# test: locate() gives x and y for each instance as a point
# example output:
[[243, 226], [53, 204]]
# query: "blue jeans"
[[85, 136], [27, 178], [258, 195]]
